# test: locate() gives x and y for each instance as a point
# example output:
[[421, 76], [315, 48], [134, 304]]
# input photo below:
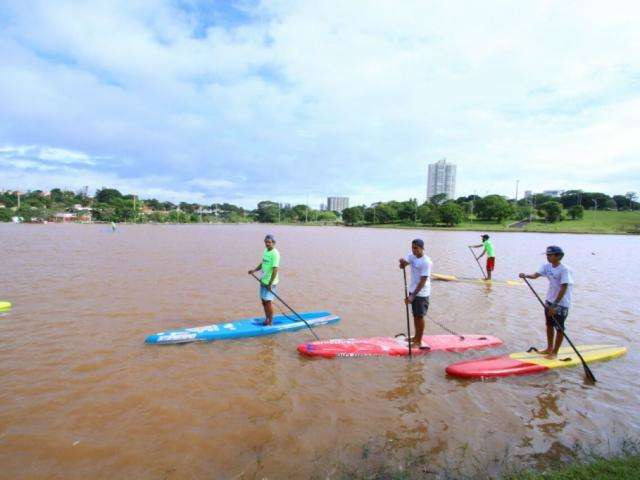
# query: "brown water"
[[81, 395]]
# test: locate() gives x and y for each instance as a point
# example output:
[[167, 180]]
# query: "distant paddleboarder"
[[558, 299], [113, 227], [491, 254], [420, 287], [269, 266]]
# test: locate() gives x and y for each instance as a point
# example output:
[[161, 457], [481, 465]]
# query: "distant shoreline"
[[479, 228]]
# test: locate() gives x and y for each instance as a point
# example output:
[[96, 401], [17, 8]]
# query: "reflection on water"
[[82, 396]]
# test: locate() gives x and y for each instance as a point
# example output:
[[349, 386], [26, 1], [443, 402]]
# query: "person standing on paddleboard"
[[491, 254], [558, 299], [420, 287], [269, 266]]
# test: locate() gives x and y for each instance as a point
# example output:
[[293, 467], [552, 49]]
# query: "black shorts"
[[419, 306], [561, 315]]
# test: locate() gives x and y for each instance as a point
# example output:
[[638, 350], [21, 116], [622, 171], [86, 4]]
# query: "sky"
[[294, 101]]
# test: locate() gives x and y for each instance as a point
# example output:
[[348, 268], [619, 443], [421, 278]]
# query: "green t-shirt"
[[270, 259], [488, 247]]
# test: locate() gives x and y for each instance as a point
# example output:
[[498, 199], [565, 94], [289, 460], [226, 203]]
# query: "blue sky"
[[285, 100]]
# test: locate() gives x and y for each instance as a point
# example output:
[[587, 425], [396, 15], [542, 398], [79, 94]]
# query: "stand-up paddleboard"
[[452, 278], [249, 327], [527, 363], [5, 305], [395, 347]]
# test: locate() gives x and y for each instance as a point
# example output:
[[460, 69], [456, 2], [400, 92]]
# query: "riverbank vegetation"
[[574, 211]]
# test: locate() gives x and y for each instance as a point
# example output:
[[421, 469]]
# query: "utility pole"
[[306, 211], [517, 182]]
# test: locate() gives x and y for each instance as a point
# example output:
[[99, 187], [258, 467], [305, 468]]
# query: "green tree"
[[406, 211], [438, 199], [576, 212], [5, 214], [268, 211], [428, 214], [551, 211], [522, 212], [451, 213], [494, 207], [353, 215], [107, 195], [300, 213], [327, 216]]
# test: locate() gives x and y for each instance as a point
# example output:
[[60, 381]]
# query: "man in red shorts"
[[488, 249]]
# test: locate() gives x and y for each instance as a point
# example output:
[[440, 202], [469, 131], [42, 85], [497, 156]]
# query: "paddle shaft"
[[406, 295], [286, 305], [445, 328], [587, 370], [479, 264]]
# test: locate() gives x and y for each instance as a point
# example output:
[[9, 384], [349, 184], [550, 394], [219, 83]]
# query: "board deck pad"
[[5, 305], [480, 281], [527, 363], [390, 346], [248, 327]]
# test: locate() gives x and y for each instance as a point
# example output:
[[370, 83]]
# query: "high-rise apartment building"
[[441, 179], [337, 204]]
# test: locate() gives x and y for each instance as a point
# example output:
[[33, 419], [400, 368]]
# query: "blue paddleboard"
[[249, 327]]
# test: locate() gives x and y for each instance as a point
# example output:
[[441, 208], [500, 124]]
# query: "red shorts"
[[491, 264]]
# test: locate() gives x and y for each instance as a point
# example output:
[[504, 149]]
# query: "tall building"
[[337, 204], [528, 193], [442, 179]]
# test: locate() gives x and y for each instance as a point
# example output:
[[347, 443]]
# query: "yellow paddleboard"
[[479, 281], [568, 358], [5, 305]]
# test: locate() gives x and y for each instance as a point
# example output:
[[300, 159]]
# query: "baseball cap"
[[554, 249], [419, 242]]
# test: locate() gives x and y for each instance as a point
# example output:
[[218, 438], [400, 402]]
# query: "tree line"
[[110, 205], [441, 211]]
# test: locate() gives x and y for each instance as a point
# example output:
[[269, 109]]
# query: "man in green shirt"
[[488, 249], [269, 266]]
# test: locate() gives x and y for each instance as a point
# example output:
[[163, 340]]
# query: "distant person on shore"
[[558, 299], [269, 266], [420, 288], [491, 254]]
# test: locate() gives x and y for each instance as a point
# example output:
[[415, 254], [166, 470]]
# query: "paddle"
[[445, 328], [481, 269], [406, 295], [587, 371], [286, 305]]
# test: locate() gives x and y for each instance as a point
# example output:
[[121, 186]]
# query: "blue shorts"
[[265, 294]]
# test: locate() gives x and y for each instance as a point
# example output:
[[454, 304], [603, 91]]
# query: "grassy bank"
[[621, 463], [624, 467], [604, 222]]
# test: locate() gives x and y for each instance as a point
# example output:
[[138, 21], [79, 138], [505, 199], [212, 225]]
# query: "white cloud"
[[326, 97]]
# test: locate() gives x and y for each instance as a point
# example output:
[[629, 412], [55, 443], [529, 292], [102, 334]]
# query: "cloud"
[[287, 99]]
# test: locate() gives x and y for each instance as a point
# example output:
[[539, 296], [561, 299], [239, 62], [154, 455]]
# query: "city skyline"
[[223, 102]]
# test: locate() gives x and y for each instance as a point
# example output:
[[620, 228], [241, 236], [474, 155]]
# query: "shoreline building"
[[337, 204], [441, 179]]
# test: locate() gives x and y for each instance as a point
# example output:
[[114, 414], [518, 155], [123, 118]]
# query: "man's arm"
[[274, 272], [403, 263], [476, 246], [532, 276], [419, 287], [257, 269]]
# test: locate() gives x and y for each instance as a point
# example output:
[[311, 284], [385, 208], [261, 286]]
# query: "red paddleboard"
[[526, 363], [394, 347]]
